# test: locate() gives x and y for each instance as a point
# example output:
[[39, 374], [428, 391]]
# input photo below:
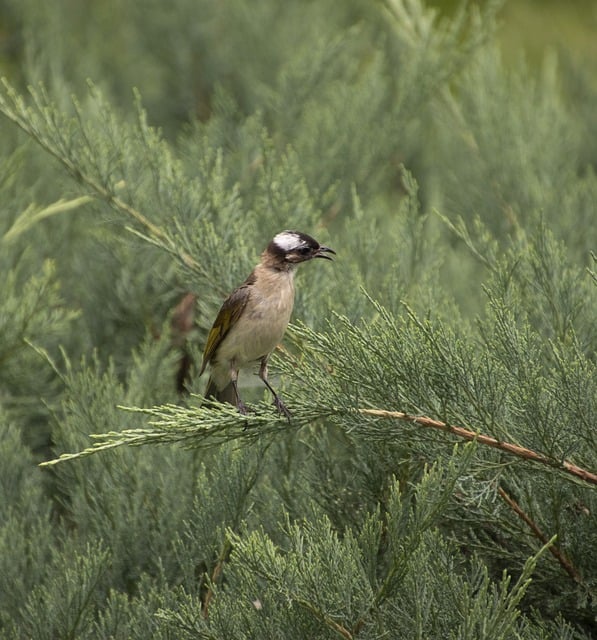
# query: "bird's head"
[[289, 248]]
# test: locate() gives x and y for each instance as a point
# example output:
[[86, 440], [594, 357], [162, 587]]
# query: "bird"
[[254, 317]]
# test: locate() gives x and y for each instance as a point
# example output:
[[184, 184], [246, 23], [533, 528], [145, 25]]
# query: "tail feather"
[[225, 395]]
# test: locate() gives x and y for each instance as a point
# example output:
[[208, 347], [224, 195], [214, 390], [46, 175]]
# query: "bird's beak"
[[322, 251]]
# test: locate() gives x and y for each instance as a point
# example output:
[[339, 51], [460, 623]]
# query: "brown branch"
[[214, 577], [338, 628], [553, 549], [466, 434]]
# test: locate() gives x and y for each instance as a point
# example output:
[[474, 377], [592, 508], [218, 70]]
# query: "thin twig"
[[215, 574], [335, 626], [466, 434], [553, 549]]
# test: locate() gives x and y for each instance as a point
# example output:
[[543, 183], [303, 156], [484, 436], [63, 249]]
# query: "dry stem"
[[466, 434]]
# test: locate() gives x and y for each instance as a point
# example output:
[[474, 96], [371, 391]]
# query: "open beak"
[[322, 251]]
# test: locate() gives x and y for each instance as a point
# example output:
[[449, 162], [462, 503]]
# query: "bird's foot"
[[281, 407], [242, 408]]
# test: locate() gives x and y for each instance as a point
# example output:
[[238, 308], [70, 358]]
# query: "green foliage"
[[459, 193], [276, 590], [63, 606], [25, 525]]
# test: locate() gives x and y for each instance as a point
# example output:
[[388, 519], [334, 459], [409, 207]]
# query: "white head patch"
[[289, 240]]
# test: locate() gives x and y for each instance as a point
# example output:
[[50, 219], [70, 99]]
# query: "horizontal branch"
[[466, 434], [202, 426]]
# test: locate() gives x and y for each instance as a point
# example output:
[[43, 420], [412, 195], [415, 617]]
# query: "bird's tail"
[[227, 394]]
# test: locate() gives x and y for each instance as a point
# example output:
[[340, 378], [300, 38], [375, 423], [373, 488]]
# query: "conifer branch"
[[212, 428], [466, 434], [592, 273], [33, 214], [553, 549], [338, 628], [21, 116]]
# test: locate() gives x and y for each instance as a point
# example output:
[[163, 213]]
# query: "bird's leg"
[[240, 405], [280, 406]]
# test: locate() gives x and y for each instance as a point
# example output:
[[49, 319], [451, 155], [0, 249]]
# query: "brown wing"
[[227, 316]]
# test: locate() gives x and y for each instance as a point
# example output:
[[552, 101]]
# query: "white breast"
[[261, 326]]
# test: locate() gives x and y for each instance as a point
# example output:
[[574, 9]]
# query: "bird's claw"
[[281, 407], [242, 408]]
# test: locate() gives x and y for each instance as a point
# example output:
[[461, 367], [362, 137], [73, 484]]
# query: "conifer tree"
[[438, 478]]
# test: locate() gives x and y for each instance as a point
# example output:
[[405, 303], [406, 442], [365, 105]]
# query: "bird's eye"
[[304, 250]]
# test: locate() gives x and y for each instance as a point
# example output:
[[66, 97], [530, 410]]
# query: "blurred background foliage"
[[151, 150]]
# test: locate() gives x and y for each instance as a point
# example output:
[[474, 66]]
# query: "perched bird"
[[253, 318]]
